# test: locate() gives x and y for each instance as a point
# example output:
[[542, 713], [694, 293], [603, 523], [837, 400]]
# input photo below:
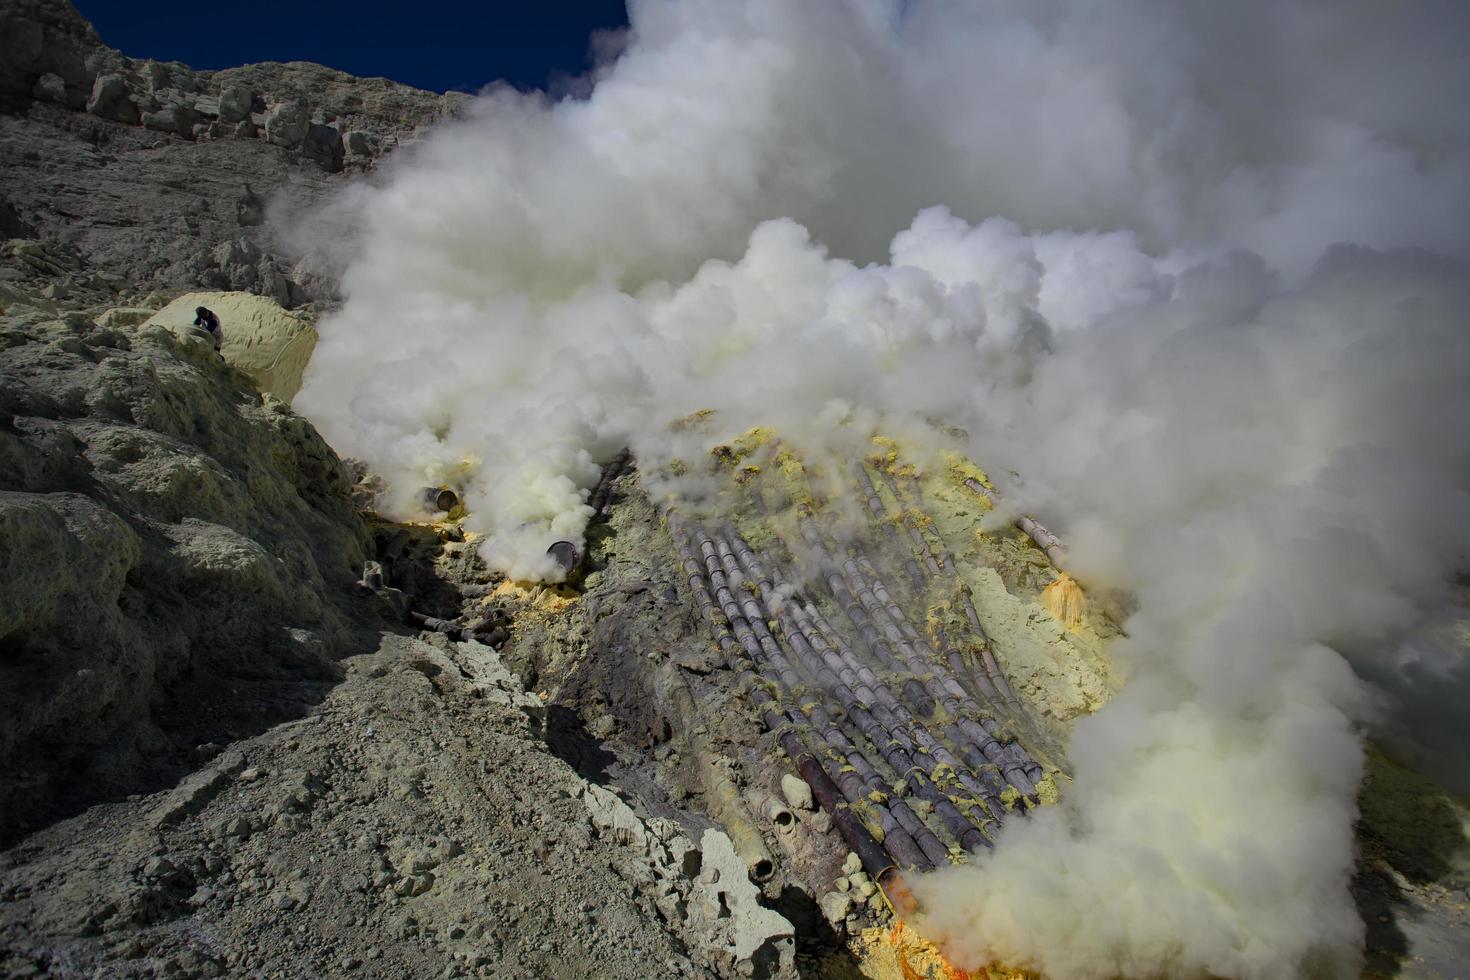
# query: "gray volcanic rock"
[[148, 168], [172, 546]]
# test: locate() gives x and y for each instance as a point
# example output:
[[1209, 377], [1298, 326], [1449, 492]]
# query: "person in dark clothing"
[[209, 321]]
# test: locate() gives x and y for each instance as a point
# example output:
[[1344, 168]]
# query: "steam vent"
[[736, 490]]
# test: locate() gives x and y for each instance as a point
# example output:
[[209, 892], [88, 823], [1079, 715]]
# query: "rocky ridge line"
[[165, 175]]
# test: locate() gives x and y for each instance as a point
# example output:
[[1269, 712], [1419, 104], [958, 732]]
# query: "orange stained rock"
[[899, 952], [1064, 600]]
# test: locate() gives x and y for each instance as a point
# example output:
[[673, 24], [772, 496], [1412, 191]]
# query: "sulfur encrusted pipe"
[[913, 759], [1033, 529], [942, 558], [985, 783], [751, 620], [874, 858], [750, 650], [868, 614], [439, 498], [987, 656], [860, 694], [918, 543], [913, 690], [897, 619], [614, 469], [721, 796], [887, 740], [880, 517]]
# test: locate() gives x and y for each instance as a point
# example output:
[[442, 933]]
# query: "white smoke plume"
[[1195, 271]]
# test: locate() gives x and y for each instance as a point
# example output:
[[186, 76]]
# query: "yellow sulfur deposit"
[[794, 473], [962, 469], [270, 344], [1047, 789], [752, 439], [898, 952], [691, 421], [536, 600], [886, 456]]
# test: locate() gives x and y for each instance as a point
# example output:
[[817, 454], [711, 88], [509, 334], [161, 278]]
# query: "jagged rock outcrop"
[[175, 547], [165, 175]]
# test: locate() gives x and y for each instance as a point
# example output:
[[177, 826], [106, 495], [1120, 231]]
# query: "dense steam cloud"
[[1194, 271]]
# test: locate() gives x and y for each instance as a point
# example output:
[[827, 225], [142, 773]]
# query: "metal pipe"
[[987, 656], [876, 723], [439, 498], [866, 612], [614, 469], [721, 795], [779, 814], [757, 641], [1032, 528], [566, 554], [987, 782], [938, 561], [880, 517], [1019, 768], [490, 638]]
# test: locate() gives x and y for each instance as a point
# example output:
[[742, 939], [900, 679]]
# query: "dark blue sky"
[[433, 45]]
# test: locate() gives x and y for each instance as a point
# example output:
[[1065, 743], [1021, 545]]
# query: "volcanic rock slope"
[[221, 754], [162, 175], [165, 529]]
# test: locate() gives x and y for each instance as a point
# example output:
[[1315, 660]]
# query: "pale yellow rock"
[[124, 316], [270, 344]]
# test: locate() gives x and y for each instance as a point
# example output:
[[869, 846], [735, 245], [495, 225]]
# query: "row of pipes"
[[930, 737]]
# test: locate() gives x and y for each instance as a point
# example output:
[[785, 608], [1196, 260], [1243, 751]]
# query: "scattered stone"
[[235, 103], [835, 907], [112, 99], [798, 794]]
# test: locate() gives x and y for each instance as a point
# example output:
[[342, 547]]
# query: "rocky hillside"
[[175, 548], [222, 755], [163, 175], [248, 728]]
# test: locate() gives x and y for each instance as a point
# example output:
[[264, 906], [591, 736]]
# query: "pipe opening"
[[565, 554], [777, 812], [441, 499], [762, 869]]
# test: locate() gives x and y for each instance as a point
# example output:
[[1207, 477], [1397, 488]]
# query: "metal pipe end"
[[441, 499], [761, 869], [901, 900], [565, 554], [779, 814]]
